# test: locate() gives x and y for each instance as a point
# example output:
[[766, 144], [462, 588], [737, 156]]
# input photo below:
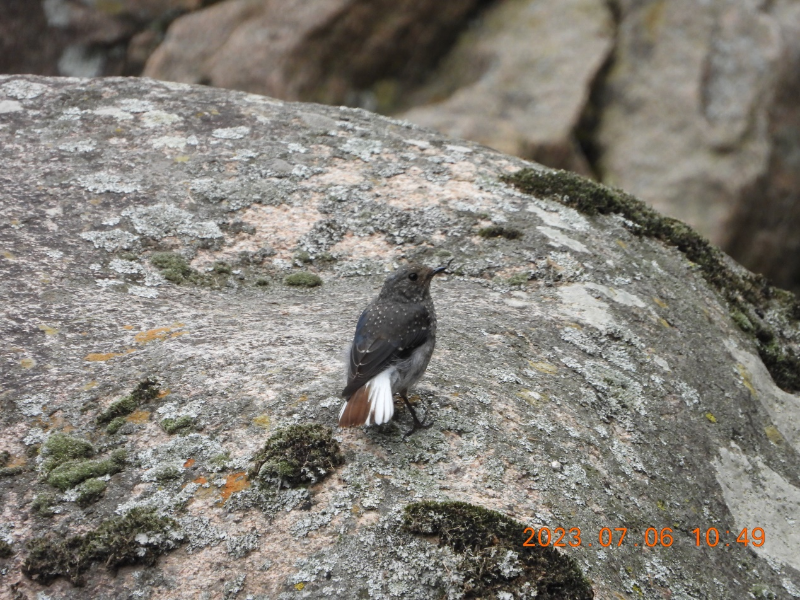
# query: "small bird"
[[394, 341]]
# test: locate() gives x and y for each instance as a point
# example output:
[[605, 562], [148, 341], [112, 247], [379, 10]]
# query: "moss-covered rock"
[[6, 550], [138, 537], [173, 267], [493, 556], [115, 425], [303, 279], [494, 231], [298, 454], [168, 473], [146, 391], [182, 424], [749, 295], [43, 503], [90, 491], [11, 471], [74, 472], [61, 448]]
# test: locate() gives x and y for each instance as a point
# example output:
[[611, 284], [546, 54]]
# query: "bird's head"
[[411, 283]]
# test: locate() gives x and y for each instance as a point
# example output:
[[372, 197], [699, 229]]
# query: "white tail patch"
[[381, 403], [371, 404]]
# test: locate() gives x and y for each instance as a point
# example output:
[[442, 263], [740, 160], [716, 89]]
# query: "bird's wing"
[[378, 343]]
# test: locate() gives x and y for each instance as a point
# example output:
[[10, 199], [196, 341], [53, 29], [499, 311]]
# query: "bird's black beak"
[[442, 268]]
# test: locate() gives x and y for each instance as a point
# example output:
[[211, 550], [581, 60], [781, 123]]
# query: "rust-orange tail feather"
[[356, 411]]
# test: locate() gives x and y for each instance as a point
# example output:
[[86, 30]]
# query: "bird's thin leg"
[[417, 423]]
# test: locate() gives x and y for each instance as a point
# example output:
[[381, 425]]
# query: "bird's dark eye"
[[412, 276]]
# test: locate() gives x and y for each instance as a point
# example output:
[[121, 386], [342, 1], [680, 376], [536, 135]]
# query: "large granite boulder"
[[181, 268], [520, 79], [326, 51]]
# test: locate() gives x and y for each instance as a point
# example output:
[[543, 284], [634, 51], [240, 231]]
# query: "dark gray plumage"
[[392, 346]]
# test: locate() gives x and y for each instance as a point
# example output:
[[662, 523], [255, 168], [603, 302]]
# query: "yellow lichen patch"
[[182, 158], [56, 422], [27, 363], [711, 417], [533, 398], [128, 327], [47, 329], [102, 356], [660, 302], [661, 505], [299, 586], [773, 435], [138, 417], [89, 386], [16, 461], [303, 398], [96, 201], [157, 334], [8, 255], [544, 367], [235, 482], [665, 323], [262, 421], [746, 379], [622, 244]]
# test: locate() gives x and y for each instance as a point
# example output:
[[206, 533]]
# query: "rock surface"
[[324, 51], [690, 103], [519, 80], [585, 377]]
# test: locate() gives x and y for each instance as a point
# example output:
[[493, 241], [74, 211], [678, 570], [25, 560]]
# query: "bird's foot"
[[417, 423]]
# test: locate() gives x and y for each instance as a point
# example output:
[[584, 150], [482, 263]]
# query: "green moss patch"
[[139, 537], [182, 424], [74, 472], [168, 473], [117, 409], [6, 551], [90, 491], [750, 296], [221, 268], [518, 279], [5, 470], [494, 231], [494, 559], [303, 279], [146, 391], [296, 455], [173, 267], [11, 471], [115, 425], [43, 503], [61, 448]]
